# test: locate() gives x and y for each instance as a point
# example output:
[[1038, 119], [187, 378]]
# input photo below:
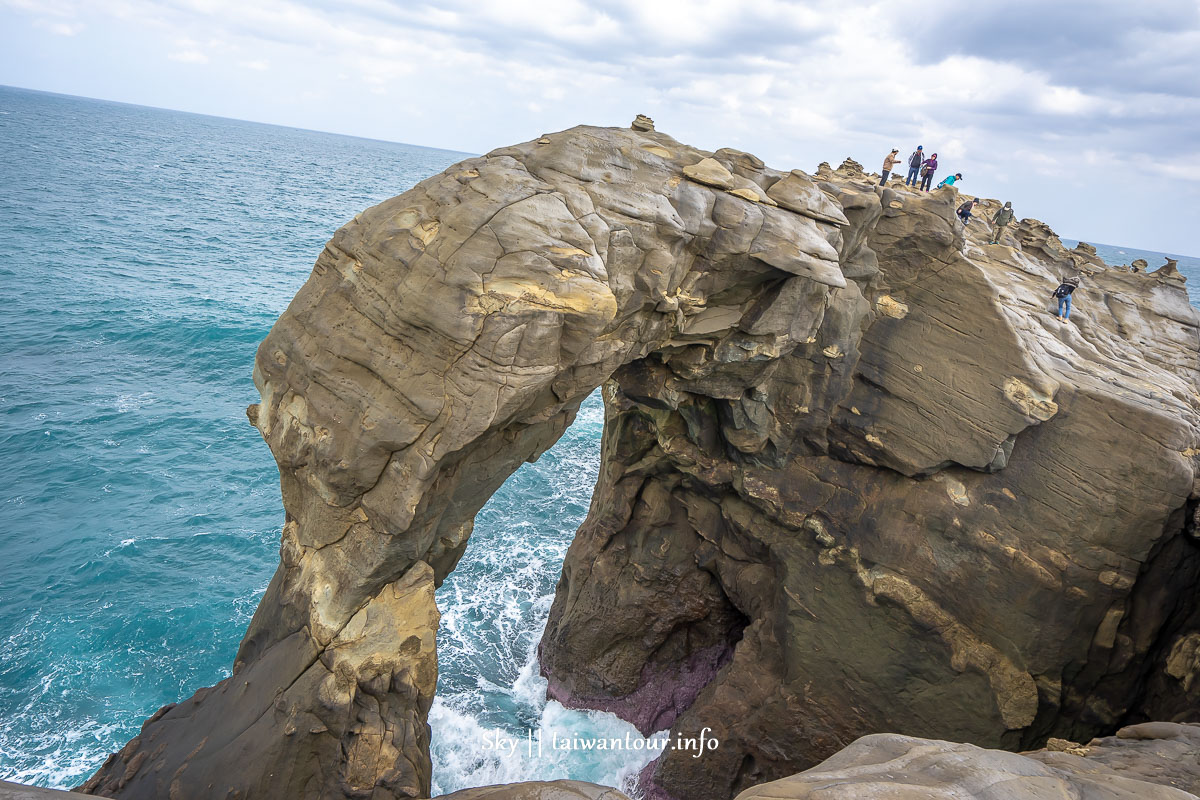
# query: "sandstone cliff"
[[855, 476]]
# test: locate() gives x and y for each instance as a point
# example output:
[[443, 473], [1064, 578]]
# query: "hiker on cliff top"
[[888, 163], [914, 166], [1063, 293], [1000, 222], [951, 180], [964, 211], [927, 170]]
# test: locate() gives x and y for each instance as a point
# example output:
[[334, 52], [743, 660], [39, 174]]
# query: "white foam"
[[467, 753]]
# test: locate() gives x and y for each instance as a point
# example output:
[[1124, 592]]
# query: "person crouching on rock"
[[1000, 222], [964, 211], [1063, 293], [888, 163], [927, 171], [914, 166], [951, 180]]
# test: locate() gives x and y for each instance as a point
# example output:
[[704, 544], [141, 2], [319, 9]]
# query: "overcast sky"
[[1084, 114]]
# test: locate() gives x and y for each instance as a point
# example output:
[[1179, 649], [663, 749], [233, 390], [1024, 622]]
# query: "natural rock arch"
[[824, 399]]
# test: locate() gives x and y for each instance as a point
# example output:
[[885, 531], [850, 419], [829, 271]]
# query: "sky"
[[1085, 114]]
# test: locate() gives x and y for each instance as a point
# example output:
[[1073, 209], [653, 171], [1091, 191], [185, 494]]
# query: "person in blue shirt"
[[914, 166], [951, 180]]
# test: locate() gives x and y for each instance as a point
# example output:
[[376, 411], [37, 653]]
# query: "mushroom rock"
[[1084, 256], [1169, 271], [642, 123], [855, 477], [850, 169]]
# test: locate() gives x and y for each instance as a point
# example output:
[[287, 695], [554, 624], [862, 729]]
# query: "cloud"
[[190, 56], [60, 28], [1009, 93]]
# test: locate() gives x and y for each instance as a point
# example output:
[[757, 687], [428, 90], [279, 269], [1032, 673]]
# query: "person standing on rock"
[[1000, 222], [964, 211], [888, 163], [951, 180], [914, 166], [1063, 293], [927, 171]]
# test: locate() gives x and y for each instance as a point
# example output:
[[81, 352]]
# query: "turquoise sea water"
[[143, 255]]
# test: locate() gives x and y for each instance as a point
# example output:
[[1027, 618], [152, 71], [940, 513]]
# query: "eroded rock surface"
[[941, 512], [1153, 761], [537, 790], [855, 476]]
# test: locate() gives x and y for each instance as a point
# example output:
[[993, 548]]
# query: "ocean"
[[145, 254]]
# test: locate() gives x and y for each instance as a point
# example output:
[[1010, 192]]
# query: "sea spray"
[[491, 722]]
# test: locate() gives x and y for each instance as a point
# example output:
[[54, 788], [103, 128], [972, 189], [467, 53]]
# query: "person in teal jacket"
[[951, 180]]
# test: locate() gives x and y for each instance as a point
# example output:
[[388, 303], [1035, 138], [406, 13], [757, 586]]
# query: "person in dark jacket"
[[888, 163], [1063, 294], [964, 211], [927, 170], [914, 166], [1000, 222]]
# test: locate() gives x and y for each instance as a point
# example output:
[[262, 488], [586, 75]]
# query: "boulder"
[[1134, 765]]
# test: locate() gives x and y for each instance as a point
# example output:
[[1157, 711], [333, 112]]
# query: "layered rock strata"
[[855, 477], [1151, 761]]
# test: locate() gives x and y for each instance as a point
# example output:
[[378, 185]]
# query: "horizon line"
[[425, 146]]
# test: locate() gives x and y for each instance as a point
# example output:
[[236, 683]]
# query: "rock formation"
[[1151, 761], [855, 476], [537, 790]]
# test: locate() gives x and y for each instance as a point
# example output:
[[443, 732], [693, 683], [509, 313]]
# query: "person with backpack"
[[927, 170], [888, 163], [964, 211], [1000, 222], [1063, 294], [914, 166], [951, 180]]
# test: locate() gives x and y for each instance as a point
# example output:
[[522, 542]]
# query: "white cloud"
[[61, 28], [794, 82], [189, 57]]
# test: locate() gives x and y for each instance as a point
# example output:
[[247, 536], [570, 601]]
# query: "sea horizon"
[[469, 154]]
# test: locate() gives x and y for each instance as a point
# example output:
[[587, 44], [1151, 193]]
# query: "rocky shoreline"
[[856, 479]]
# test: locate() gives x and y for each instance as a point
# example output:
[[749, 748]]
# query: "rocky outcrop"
[[855, 477], [537, 790], [943, 512], [17, 791], [1152, 761]]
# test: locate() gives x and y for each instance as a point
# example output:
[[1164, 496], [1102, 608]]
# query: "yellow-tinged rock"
[[569, 251], [753, 196], [710, 172], [891, 307], [1032, 402]]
